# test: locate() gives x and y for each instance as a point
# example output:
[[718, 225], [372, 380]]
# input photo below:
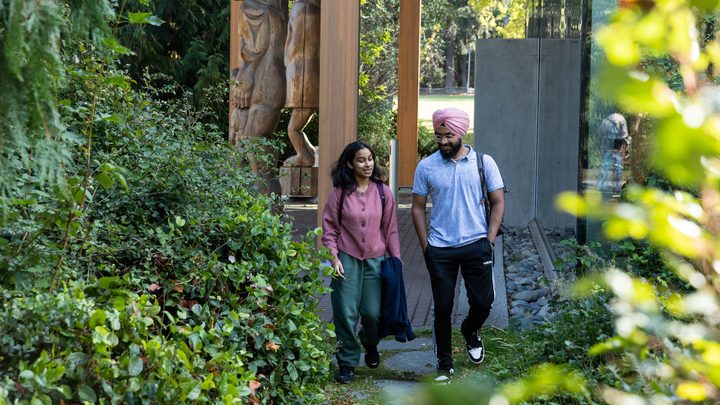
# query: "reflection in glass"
[[616, 143]]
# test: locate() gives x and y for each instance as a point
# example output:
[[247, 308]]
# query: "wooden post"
[[339, 54], [408, 89], [234, 61]]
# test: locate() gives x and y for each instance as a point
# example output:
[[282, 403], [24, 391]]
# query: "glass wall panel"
[[614, 144], [554, 19]]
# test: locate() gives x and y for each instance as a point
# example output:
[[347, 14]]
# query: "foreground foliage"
[[669, 335], [664, 292]]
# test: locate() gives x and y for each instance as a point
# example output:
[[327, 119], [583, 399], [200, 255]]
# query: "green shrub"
[[666, 328], [71, 346], [578, 326], [245, 323], [182, 284], [377, 125], [426, 142]]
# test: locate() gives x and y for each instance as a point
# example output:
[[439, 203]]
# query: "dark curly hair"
[[343, 176]]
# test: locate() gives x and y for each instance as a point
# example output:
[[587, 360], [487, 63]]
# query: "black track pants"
[[475, 264]]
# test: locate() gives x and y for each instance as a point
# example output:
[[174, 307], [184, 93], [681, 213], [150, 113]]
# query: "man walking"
[[460, 236]]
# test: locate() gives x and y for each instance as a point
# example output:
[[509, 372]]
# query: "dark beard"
[[452, 152]]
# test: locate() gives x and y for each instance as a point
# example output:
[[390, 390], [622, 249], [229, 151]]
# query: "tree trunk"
[[461, 77], [449, 65]]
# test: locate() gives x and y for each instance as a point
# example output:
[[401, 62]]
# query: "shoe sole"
[[348, 381], [444, 381], [371, 365], [473, 361], [441, 381]]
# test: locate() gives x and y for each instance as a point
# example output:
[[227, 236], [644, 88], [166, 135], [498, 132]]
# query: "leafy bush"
[[667, 336], [426, 142], [154, 272], [69, 346], [101, 341], [220, 276], [578, 326], [377, 121]]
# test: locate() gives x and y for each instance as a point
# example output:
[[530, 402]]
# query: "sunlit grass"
[[427, 104], [510, 353]]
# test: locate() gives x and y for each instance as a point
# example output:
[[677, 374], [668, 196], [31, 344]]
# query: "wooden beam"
[[408, 90], [234, 39], [339, 54]]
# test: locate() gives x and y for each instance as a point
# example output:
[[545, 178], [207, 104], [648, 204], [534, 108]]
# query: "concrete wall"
[[558, 128], [527, 100], [506, 85]]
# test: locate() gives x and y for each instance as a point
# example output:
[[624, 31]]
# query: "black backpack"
[[381, 190], [483, 185]]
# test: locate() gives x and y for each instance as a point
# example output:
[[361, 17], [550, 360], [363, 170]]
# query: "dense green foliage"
[[666, 323], [32, 69], [190, 49], [645, 328], [141, 265]]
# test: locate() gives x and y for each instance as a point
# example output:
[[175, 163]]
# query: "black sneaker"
[[443, 377], [475, 347], [372, 357], [345, 375]]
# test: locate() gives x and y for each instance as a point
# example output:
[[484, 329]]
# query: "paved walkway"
[[417, 281]]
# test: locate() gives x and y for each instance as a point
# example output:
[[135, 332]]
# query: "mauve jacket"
[[361, 235]]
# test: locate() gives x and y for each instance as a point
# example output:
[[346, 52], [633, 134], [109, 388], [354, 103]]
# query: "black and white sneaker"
[[345, 375], [372, 357], [475, 348], [443, 377]]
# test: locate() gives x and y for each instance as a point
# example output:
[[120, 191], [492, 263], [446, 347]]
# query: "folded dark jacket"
[[393, 312]]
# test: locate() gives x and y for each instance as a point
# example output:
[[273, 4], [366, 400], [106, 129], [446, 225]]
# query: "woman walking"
[[359, 228]]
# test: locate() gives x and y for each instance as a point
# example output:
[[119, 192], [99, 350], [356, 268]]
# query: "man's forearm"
[[420, 223], [496, 217]]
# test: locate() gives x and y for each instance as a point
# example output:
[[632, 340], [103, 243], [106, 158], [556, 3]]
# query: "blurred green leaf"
[[135, 367], [86, 393], [139, 18], [97, 318], [113, 45]]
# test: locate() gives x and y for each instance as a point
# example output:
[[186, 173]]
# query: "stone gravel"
[[530, 295]]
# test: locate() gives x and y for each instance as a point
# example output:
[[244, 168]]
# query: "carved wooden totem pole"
[[258, 92], [302, 63]]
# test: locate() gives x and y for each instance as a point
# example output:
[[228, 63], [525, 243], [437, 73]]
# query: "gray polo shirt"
[[458, 216]]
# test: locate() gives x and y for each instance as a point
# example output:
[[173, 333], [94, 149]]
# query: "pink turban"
[[454, 119]]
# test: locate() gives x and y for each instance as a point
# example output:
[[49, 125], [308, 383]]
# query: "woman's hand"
[[339, 269]]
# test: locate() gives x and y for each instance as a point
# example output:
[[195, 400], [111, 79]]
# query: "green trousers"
[[357, 296]]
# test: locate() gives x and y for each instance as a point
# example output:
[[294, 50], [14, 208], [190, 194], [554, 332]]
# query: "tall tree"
[[378, 45], [445, 36]]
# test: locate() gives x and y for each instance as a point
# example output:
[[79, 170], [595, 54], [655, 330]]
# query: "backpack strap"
[[483, 185], [485, 198], [381, 191], [340, 207]]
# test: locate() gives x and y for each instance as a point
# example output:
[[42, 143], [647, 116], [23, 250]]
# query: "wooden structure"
[[339, 54], [408, 90], [339, 58]]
